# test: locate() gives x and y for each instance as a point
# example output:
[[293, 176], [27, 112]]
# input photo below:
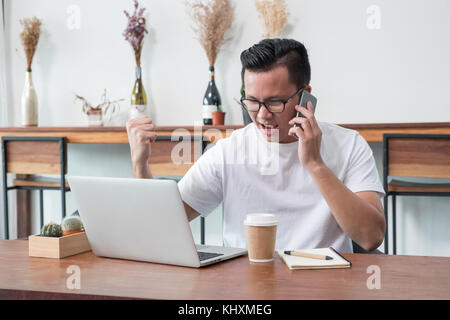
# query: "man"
[[325, 190]]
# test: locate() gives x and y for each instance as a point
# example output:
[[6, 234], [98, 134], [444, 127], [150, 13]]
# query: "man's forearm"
[[360, 220], [141, 171]]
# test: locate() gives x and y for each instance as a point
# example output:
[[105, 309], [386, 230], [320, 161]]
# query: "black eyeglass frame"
[[265, 105]]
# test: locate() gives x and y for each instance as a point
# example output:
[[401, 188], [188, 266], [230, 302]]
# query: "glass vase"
[[29, 105]]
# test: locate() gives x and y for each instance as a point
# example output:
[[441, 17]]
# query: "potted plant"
[[59, 240], [51, 229], [218, 117], [71, 224], [105, 109]]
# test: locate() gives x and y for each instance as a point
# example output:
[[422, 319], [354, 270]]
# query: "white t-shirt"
[[245, 173]]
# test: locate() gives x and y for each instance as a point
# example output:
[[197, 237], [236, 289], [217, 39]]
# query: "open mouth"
[[268, 129]]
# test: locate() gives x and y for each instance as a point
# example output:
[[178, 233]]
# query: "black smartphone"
[[305, 97]]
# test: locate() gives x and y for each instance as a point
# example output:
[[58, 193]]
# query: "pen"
[[307, 255]]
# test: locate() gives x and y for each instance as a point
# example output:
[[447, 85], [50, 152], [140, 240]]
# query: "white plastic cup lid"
[[260, 219]]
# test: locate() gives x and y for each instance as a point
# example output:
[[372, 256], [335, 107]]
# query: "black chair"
[[28, 156], [418, 156], [358, 249]]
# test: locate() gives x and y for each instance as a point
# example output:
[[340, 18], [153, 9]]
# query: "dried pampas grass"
[[212, 19], [274, 16], [30, 37]]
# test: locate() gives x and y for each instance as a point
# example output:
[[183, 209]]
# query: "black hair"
[[270, 53]]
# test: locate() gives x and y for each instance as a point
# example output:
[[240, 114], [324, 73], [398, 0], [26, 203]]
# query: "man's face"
[[269, 86]]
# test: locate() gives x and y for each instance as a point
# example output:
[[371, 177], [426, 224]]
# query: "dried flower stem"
[[30, 37], [212, 19], [274, 16], [135, 31]]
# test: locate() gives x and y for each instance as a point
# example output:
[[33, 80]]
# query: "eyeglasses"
[[274, 106]]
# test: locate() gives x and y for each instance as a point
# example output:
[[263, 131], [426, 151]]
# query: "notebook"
[[295, 263]]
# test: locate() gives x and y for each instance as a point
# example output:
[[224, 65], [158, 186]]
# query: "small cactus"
[[72, 223], [51, 230]]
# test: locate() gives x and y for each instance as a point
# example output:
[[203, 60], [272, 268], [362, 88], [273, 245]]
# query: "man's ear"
[[308, 88]]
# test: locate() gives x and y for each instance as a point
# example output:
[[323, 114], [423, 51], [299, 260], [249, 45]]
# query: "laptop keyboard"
[[208, 255]]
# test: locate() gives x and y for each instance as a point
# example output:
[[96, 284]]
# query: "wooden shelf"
[[110, 134], [371, 132]]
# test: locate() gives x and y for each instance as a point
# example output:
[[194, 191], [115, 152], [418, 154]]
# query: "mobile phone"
[[305, 97]]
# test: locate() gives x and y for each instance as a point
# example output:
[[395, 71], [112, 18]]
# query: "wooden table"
[[402, 277]]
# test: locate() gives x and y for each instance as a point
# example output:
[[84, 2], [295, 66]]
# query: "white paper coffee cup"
[[261, 231]]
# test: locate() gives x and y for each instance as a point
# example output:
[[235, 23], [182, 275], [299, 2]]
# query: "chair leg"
[[5, 191], [394, 225], [63, 203], [386, 235], [41, 206], [5, 212]]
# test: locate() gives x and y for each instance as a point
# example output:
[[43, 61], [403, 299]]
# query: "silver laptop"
[[141, 219]]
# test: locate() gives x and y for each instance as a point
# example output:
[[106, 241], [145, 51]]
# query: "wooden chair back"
[[417, 155], [174, 156], [34, 155]]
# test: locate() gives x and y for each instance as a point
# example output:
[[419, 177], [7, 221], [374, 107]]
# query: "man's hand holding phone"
[[310, 136]]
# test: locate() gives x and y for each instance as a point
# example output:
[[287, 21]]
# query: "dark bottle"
[[211, 100]]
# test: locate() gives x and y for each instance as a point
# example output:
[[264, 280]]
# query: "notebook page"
[[293, 261]]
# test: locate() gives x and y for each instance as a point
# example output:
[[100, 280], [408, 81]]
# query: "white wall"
[[96, 56], [397, 73], [359, 74], [3, 100]]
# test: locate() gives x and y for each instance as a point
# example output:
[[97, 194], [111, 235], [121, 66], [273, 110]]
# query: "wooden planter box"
[[51, 247]]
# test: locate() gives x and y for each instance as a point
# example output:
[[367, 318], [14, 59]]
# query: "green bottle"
[[138, 97]]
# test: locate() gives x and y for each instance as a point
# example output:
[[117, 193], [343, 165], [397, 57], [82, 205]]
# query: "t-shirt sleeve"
[[362, 173], [201, 187]]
